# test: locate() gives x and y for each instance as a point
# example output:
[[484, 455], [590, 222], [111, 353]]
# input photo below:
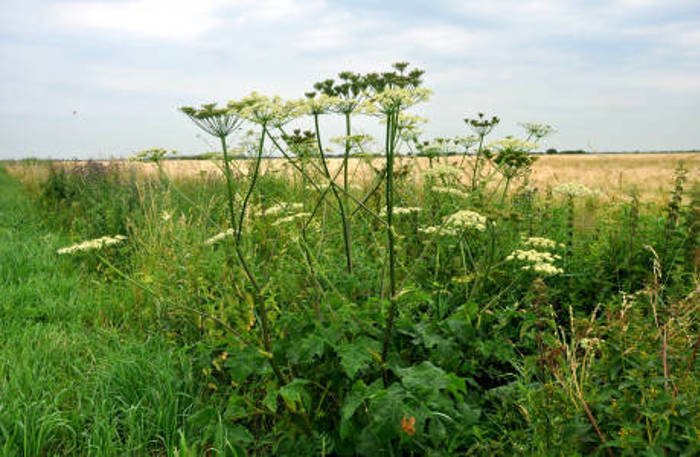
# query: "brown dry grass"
[[612, 174]]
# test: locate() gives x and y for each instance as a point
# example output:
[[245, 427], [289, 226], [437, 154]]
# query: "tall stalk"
[[390, 130], [476, 161], [262, 306], [341, 206], [346, 188]]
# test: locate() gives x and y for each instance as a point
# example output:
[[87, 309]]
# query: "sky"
[[100, 79]]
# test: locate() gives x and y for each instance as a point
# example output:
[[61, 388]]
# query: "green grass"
[[75, 377]]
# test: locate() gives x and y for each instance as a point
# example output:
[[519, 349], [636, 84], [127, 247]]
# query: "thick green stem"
[[229, 182], [476, 161], [341, 207], [346, 190], [262, 306], [232, 215], [390, 130]]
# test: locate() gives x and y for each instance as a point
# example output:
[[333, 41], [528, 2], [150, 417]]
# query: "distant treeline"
[[550, 151]]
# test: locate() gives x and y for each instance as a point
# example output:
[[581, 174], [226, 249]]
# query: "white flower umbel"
[[89, 245], [395, 99], [533, 256], [544, 268], [458, 222], [514, 144], [537, 261], [400, 210], [541, 243], [573, 189], [264, 110], [465, 219], [450, 191], [219, 237], [442, 170]]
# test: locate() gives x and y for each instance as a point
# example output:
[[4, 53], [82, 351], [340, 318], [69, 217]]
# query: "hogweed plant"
[[450, 333], [482, 127], [512, 159]]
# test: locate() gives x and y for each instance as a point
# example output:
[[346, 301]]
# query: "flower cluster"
[[410, 122], [465, 219], [573, 189], [400, 210], [536, 130], [533, 256], [152, 155], [218, 122], [544, 268], [457, 223], [514, 144], [450, 191], [482, 125], [218, 237], [392, 100], [89, 245], [538, 261], [261, 109], [320, 104], [442, 170], [542, 243]]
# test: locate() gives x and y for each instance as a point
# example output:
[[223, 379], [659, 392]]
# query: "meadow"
[[490, 303]]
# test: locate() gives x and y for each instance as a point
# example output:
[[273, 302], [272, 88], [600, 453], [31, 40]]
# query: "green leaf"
[[424, 378], [270, 400], [295, 395], [244, 363], [357, 355]]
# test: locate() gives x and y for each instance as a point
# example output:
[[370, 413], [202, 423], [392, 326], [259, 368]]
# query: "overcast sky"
[[104, 78]]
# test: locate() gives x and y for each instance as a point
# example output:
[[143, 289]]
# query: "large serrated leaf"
[[357, 355]]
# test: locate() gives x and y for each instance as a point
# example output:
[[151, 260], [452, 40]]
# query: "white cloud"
[[178, 20], [440, 39]]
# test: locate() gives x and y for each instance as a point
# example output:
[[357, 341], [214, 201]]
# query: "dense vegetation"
[[446, 311]]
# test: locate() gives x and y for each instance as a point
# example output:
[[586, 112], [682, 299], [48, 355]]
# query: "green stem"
[[476, 161], [346, 190], [341, 207], [262, 306], [390, 127], [361, 204]]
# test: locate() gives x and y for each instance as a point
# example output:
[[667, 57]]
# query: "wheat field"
[[650, 175]]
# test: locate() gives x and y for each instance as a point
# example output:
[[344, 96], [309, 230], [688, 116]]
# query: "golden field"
[[611, 174]]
